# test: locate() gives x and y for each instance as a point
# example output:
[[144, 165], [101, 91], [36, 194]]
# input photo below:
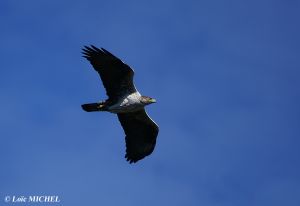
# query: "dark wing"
[[141, 133], [116, 76]]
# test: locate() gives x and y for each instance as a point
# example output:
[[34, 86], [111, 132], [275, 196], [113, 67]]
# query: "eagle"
[[125, 101]]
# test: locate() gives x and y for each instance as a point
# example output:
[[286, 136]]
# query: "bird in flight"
[[125, 101]]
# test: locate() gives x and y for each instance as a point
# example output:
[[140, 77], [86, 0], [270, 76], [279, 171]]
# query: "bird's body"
[[125, 101], [128, 103]]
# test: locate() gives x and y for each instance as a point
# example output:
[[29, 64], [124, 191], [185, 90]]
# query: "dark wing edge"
[[141, 133], [116, 76]]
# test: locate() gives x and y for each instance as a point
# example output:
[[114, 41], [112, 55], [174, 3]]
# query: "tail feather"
[[93, 107]]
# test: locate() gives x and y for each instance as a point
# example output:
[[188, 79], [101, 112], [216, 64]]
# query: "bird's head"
[[147, 100]]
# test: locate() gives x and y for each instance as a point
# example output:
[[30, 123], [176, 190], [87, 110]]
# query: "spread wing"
[[116, 76], [141, 133]]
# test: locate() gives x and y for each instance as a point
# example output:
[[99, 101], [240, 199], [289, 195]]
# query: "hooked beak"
[[153, 100]]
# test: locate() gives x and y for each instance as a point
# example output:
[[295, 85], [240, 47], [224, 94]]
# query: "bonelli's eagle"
[[125, 101]]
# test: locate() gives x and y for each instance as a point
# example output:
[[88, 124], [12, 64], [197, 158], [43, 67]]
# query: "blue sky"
[[226, 78]]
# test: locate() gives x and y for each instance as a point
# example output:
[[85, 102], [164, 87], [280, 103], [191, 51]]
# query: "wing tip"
[[131, 160], [92, 50]]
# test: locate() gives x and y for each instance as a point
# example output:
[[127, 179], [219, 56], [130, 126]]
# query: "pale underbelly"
[[125, 108], [129, 103]]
